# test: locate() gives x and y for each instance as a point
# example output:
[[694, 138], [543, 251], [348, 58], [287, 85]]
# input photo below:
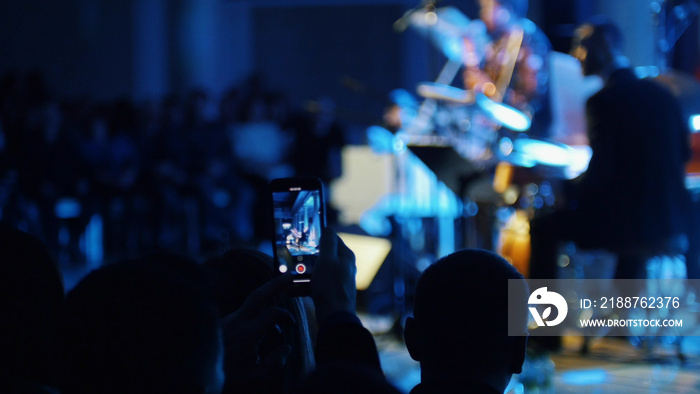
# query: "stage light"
[[695, 123]]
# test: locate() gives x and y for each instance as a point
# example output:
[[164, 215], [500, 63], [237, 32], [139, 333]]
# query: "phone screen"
[[298, 220]]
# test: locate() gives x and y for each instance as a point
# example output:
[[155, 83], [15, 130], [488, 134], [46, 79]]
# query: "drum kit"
[[482, 128], [490, 136]]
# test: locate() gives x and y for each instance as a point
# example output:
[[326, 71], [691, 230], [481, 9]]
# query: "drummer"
[[513, 66]]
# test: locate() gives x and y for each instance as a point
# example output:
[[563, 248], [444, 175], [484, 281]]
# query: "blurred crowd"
[[187, 173]]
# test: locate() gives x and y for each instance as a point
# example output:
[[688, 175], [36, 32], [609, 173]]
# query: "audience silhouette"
[[31, 296], [346, 354], [267, 338], [164, 323], [168, 174], [459, 330], [139, 327]]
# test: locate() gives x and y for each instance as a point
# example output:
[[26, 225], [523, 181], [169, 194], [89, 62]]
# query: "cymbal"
[[544, 152], [502, 114]]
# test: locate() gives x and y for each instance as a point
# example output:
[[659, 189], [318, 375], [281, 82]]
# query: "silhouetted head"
[[139, 327], [461, 315], [195, 273], [598, 45], [31, 295], [236, 273]]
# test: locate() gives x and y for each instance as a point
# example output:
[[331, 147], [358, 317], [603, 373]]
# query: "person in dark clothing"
[[31, 296], [633, 192], [347, 359], [140, 327], [281, 352], [341, 335], [463, 315], [269, 336]]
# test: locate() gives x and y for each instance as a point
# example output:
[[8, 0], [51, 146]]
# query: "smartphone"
[[299, 215]]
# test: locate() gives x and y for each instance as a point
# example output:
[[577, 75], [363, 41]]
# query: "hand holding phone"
[[299, 216], [333, 289]]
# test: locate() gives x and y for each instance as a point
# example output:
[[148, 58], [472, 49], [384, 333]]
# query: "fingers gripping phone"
[[299, 215]]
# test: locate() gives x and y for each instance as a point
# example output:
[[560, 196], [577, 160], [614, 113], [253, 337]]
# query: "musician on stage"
[[513, 66], [633, 193]]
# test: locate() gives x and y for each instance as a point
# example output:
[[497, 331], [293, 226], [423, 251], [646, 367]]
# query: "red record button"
[[301, 268]]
